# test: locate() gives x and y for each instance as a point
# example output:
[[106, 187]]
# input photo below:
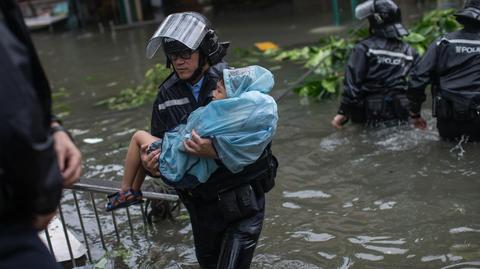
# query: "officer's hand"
[[150, 161], [339, 120], [419, 123], [41, 222], [69, 158], [201, 147]]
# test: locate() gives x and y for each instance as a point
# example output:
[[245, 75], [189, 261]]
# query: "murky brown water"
[[389, 198]]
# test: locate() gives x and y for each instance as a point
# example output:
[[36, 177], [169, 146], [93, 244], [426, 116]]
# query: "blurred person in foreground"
[[452, 66], [376, 73], [37, 156]]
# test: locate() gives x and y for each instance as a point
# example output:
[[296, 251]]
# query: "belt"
[[196, 197], [222, 182]]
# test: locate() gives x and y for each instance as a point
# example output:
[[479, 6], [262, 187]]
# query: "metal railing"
[[93, 188]]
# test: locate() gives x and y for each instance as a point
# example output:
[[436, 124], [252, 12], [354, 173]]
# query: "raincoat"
[[376, 66], [452, 65], [240, 127]]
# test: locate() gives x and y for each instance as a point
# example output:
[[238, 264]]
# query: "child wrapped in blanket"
[[241, 120]]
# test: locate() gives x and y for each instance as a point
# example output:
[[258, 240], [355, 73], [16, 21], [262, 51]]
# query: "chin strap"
[[376, 15]]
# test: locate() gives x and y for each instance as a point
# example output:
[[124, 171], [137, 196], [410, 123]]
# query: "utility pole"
[[354, 5], [336, 13]]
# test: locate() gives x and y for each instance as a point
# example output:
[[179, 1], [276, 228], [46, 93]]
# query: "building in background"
[[74, 14]]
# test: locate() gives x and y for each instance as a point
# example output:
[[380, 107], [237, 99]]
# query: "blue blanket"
[[240, 127]]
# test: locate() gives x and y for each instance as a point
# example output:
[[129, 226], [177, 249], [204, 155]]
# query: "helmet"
[[384, 16], [471, 11], [187, 31]]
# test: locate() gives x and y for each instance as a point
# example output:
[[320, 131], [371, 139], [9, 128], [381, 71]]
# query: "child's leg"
[[133, 171], [139, 178]]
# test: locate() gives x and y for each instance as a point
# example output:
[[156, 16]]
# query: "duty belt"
[[221, 181]]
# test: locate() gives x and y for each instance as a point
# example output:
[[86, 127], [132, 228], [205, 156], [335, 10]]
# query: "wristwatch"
[[60, 128]]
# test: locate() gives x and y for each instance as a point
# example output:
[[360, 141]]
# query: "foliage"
[[108, 259], [240, 57], [143, 93], [326, 59], [434, 24], [60, 108]]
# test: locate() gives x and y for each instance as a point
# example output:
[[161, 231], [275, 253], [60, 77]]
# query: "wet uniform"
[[30, 181], [225, 230], [452, 65], [376, 81]]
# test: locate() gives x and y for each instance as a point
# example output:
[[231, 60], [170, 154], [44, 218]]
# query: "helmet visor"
[[364, 10], [182, 27]]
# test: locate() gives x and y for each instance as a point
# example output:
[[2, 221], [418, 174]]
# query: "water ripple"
[[332, 142], [93, 140], [327, 255], [347, 263], [290, 205], [385, 205], [366, 242], [313, 237], [463, 230], [306, 194], [369, 257], [471, 265]]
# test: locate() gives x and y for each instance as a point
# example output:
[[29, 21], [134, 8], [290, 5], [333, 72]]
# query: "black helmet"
[[471, 11], [384, 16], [187, 31]]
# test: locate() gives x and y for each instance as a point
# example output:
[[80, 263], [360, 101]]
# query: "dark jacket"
[[451, 63], [376, 66], [30, 181], [173, 105]]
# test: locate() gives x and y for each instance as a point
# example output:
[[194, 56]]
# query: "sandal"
[[124, 199]]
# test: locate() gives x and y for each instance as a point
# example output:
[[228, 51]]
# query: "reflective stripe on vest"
[[390, 53], [175, 102], [460, 41]]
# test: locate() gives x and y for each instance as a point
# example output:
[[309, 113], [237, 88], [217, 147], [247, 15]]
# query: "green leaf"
[[145, 92], [102, 263], [451, 25], [329, 85], [414, 38]]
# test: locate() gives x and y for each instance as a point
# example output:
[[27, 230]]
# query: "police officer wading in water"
[[452, 65], [376, 73], [227, 211]]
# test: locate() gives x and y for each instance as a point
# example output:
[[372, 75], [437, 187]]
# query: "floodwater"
[[355, 198]]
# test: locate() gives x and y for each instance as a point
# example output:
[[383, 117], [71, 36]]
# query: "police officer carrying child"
[[225, 230], [452, 65], [376, 73]]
